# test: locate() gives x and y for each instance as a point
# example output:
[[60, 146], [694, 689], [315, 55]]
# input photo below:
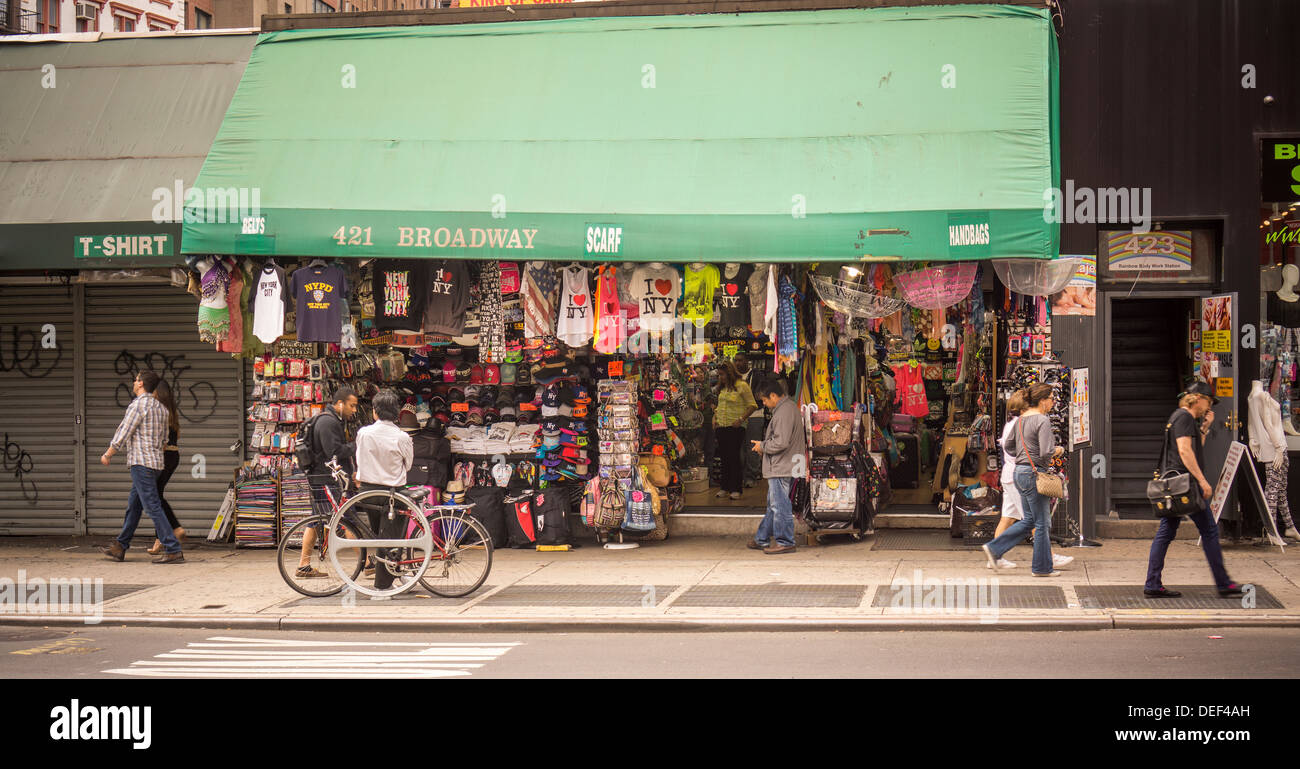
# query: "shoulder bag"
[[1049, 484], [1172, 494]]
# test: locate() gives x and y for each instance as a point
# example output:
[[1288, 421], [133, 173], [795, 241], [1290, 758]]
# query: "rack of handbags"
[[842, 478]]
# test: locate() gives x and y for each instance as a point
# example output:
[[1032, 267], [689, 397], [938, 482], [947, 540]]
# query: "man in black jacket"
[[329, 441]]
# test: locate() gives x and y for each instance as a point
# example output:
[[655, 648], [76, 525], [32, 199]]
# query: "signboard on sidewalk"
[[1080, 409], [1231, 466]]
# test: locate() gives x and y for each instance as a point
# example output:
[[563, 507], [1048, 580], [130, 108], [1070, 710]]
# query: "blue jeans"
[[1204, 521], [778, 521], [1038, 517], [144, 497]]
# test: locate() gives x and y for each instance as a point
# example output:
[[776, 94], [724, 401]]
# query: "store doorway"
[[1151, 352]]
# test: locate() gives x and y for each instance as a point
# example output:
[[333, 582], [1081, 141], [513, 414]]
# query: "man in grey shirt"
[[783, 449]]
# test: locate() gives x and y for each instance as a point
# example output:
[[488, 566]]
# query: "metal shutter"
[[38, 429], [130, 327]]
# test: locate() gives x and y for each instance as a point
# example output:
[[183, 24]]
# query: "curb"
[[661, 625]]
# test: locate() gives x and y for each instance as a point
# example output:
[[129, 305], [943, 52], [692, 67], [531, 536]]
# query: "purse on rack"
[[1172, 494], [1049, 484]]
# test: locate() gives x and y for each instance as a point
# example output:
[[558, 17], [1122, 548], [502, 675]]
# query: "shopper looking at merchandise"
[[171, 460], [329, 441], [783, 452], [142, 434], [730, 418], [1033, 445], [757, 421], [1184, 434], [384, 456]]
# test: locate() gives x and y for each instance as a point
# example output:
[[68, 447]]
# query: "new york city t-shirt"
[[320, 294], [656, 290], [733, 295], [401, 287]]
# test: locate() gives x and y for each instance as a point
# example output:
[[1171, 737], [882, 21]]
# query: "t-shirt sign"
[[604, 240], [320, 294], [401, 287]]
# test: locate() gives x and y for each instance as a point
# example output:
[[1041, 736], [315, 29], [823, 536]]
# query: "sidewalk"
[[684, 583]]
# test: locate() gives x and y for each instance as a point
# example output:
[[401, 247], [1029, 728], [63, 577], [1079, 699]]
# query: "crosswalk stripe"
[[233, 656]]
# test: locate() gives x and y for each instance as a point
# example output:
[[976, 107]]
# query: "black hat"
[[1201, 388]]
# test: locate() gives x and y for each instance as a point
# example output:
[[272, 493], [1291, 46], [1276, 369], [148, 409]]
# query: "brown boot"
[[779, 549], [177, 557], [114, 551]]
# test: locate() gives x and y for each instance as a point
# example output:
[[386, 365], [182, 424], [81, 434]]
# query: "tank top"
[[609, 322], [575, 325]]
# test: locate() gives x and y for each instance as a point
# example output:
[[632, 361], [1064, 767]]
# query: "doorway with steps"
[[1149, 357]]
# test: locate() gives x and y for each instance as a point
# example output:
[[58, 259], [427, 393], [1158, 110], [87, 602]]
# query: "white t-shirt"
[[1008, 461], [656, 290], [268, 305], [576, 311]]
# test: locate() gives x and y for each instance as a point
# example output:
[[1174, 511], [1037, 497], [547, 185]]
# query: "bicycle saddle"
[[417, 494]]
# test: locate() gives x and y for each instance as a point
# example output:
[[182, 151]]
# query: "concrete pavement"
[[684, 583]]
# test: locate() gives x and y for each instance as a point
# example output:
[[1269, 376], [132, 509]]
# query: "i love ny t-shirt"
[[656, 290], [733, 295]]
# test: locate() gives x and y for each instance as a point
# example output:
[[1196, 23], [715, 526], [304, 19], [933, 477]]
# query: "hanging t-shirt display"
[[702, 282], [610, 328], [541, 299], [448, 298], [757, 290], [733, 295], [400, 288], [270, 295], [656, 287], [910, 397], [491, 315], [575, 325], [319, 295]]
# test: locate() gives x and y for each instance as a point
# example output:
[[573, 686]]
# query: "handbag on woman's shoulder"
[[1172, 494]]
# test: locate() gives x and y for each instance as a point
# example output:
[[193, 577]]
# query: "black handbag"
[[1172, 494]]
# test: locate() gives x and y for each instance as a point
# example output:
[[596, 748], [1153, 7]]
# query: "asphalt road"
[[168, 653]]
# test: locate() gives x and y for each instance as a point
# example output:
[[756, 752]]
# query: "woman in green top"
[[735, 404]]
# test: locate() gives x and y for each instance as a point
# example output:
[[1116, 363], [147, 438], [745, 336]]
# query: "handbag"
[[1048, 484], [640, 507], [1172, 494]]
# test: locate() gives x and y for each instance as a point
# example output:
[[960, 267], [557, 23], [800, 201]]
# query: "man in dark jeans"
[[384, 456], [1184, 435], [329, 441]]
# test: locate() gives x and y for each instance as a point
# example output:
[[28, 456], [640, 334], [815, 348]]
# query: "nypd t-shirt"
[[320, 295]]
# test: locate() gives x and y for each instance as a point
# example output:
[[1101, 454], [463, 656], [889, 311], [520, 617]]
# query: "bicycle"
[[288, 553]]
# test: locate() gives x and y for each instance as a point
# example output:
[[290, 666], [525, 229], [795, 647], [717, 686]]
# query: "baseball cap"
[[514, 355], [476, 415], [1201, 388], [407, 420], [476, 374], [463, 371], [456, 395], [490, 416], [580, 394], [472, 392], [507, 413], [551, 396], [492, 374], [449, 372], [508, 373]]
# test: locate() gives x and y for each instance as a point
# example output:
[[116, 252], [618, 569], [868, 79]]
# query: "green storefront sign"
[[604, 240], [121, 246]]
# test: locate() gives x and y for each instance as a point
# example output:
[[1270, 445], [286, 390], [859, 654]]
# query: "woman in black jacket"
[[171, 460]]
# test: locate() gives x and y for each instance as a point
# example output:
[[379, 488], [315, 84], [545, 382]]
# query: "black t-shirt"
[[401, 287], [1284, 314], [320, 294], [733, 297], [1183, 425]]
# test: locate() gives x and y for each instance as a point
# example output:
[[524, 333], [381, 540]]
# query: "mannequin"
[[1268, 444], [1290, 276]]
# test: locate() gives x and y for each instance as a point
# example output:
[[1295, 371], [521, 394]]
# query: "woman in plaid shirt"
[[142, 434]]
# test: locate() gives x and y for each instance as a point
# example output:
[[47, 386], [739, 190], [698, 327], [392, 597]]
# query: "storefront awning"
[[91, 132], [902, 133]]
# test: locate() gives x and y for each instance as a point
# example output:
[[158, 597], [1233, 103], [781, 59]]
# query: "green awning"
[[922, 133]]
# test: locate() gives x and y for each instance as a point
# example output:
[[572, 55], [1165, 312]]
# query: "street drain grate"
[[1199, 597], [58, 593], [413, 596], [643, 596], [916, 539], [811, 596], [959, 594]]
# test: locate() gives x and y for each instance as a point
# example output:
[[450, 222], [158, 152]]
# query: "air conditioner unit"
[[87, 11]]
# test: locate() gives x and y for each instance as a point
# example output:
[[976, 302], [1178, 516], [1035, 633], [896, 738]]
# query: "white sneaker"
[[1061, 560], [989, 554], [1049, 574], [381, 598], [1005, 564], [735, 495], [720, 495]]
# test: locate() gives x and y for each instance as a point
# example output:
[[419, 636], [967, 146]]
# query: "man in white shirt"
[[384, 455]]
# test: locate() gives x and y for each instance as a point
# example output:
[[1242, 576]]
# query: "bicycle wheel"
[[462, 556], [406, 555], [327, 583]]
